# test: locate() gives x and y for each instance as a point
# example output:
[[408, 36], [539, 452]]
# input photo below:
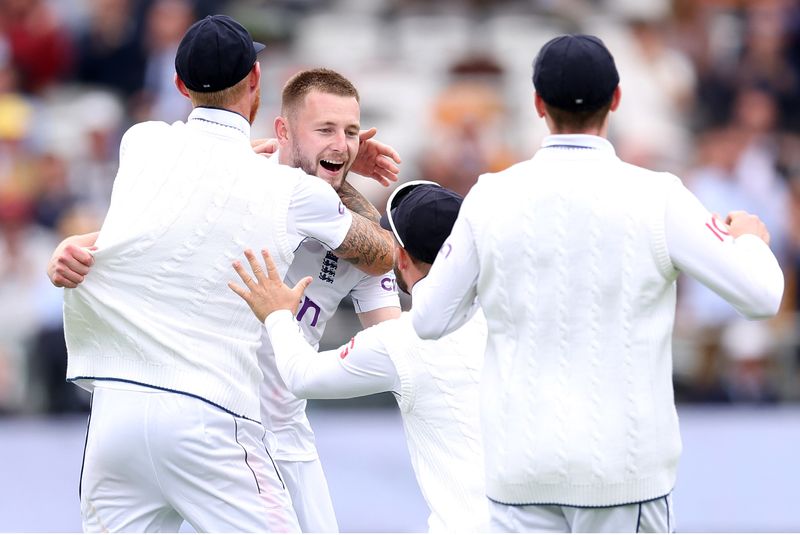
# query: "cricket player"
[[573, 255], [175, 429], [436, 384], [318, 131]]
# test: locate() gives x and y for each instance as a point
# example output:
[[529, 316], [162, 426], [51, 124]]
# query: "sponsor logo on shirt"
[[307, 305], [719, 229], [389, 284], [329, 265]]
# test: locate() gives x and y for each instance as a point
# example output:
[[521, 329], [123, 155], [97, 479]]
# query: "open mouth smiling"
[[333, 167]]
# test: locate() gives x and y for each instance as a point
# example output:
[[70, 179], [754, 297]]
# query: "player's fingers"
[[389, 152], [384, 177], [380, 180], [364, 135], [74, 255], [272, 269], [255, 265], [61, 281], [734, 214], [246, 278], [388, 166], [300, 288], [265, 146], [68, 277], [75, 271], [238, 290]]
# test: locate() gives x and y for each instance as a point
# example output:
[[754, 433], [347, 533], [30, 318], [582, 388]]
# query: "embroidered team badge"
[[329, 265]]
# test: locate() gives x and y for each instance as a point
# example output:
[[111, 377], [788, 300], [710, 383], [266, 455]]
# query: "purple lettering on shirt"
[[388, 284], [308, 303]]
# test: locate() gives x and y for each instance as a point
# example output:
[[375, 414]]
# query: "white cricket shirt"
[[436, 384], [282, 412], [187, 200]]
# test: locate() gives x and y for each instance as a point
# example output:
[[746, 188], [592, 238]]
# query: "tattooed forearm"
[[357, 203], [367, 246]]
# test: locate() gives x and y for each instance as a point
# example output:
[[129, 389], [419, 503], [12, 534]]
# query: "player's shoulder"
[[650, 175], [498, 182], [302, 181], [147, 130]]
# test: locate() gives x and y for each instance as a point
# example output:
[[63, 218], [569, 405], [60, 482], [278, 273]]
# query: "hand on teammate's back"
[[266, 146], [740, 222], [266, 293]]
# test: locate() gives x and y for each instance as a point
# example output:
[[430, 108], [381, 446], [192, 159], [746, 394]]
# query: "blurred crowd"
[[711, 92]]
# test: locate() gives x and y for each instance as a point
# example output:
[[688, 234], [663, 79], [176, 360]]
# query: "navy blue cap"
[[215, 53], [575, 73], [421, 215]]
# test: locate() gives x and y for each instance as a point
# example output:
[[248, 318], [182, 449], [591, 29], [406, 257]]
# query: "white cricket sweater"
[[580, 316], [436, 384], [439, 402], [155, 310], [574, 255]]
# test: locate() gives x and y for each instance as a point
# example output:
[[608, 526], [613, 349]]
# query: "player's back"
[[579, 293], [439, 403], [188, 198]]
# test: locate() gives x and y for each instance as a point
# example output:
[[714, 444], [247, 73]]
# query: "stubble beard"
[[255, 106], [401, 283], [311, 167]]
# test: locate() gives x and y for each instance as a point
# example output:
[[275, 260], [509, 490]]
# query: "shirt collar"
[[578, 141], [224, 120]]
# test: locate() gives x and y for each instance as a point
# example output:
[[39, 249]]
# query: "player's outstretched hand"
[[740, 222], [72, 260], [266, 293], [265, 146], [376, 160]]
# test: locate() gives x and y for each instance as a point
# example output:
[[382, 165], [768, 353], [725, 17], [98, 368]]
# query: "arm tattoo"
[[357, 203], [367, 246]]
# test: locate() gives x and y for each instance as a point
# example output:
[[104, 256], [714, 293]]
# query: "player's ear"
[[181, 86], [538, 103], [403, 258], [255, 76], [281, 130], [616, 98]]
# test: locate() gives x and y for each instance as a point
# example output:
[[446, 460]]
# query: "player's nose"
[[339, 142]]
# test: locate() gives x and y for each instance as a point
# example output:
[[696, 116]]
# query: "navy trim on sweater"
[[220, 407], [578, 506]]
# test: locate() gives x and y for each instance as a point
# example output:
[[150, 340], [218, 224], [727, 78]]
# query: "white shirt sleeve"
[[443, 301], [315, 211], [358, 368], [742, 270], [374, 292]]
